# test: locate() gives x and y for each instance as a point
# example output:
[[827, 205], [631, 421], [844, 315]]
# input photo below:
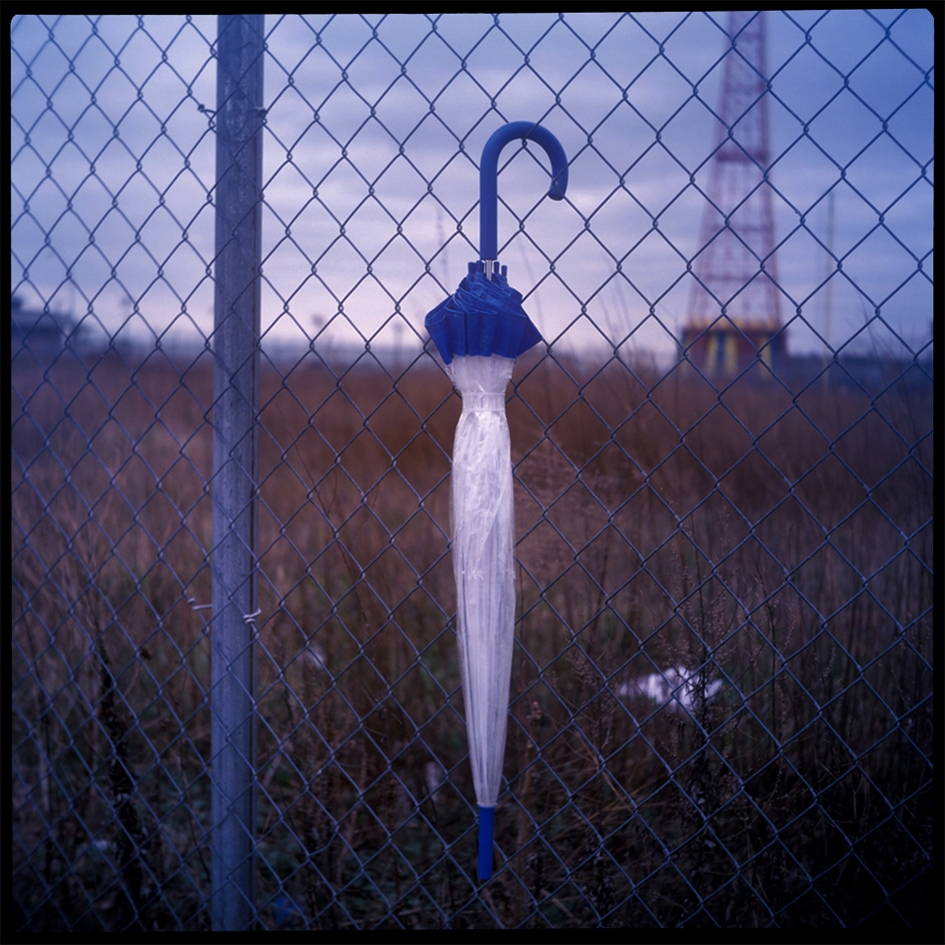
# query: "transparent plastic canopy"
[[483, 561]]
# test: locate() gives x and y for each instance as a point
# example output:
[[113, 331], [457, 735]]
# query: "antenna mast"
[[734, 315]]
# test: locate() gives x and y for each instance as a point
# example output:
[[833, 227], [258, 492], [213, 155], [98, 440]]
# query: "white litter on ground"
[[435, 777], [677, 686], [314, 655]]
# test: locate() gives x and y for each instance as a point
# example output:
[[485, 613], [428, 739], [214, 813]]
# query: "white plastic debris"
[[435, 777], [314, 655], [677, 686]]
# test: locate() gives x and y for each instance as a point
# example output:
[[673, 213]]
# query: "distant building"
[[40, 333], [865, 373], [726, 348]]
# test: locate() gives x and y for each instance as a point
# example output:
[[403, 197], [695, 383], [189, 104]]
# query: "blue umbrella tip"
[[486, 833]]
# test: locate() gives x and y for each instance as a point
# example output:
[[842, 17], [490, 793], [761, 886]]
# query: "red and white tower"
[[734, 318]]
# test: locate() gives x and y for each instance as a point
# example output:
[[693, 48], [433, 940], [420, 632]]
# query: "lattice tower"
[[736, 273]]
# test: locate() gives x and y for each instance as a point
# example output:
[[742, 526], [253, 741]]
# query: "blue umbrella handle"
[[488, 180]]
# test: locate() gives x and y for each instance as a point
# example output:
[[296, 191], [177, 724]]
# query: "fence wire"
[[722, 690]]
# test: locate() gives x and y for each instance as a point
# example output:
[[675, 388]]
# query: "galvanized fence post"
[[235, 459]]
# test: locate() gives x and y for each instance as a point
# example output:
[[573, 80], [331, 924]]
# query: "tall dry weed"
[[773, 546]]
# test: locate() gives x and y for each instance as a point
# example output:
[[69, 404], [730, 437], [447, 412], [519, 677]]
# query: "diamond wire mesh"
[[721, 702]]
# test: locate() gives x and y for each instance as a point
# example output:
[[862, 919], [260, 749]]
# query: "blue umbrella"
[[479, 331]]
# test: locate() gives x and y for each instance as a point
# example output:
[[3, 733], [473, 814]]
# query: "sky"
[[374, 130]]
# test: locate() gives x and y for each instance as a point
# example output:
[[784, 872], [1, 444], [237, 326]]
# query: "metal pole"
[[236, 398]]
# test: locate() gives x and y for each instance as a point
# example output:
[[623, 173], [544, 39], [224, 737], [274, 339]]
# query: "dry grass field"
[[776, 542]]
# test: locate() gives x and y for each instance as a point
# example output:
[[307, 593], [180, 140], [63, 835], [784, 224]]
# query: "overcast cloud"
[[113, 169]]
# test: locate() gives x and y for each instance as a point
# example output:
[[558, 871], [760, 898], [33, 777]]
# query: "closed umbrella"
[[479, 331]]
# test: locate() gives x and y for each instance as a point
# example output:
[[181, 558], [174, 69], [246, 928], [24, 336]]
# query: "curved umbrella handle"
[[489, 173]]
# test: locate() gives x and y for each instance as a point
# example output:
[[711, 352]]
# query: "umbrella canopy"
[[484, 317], [479, 331]]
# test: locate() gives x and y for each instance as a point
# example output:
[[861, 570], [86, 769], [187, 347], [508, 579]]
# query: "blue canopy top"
[[482, 317]]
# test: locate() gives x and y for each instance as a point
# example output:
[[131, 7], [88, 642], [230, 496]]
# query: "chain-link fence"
[[722, 687]]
